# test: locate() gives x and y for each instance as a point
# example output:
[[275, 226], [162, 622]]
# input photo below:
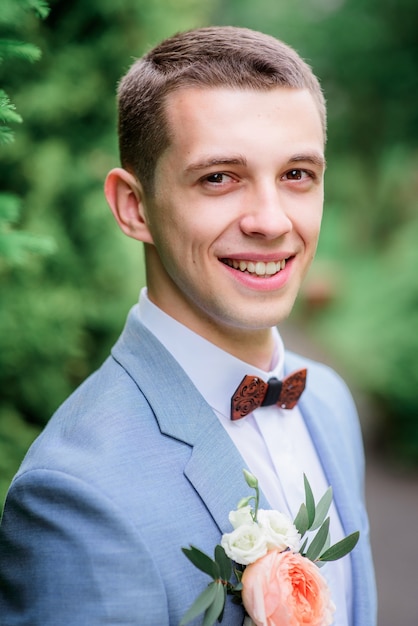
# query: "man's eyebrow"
[[316, 159], [311, 157], [216, 161]]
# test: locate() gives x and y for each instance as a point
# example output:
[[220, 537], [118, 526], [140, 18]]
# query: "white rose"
[[241, 517], [245, 544], [279, 530]]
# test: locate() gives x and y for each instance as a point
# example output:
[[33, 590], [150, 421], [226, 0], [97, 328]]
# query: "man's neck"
[[255, 347], [251, 345]]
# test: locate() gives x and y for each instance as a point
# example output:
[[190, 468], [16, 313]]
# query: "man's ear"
[[125, 197]]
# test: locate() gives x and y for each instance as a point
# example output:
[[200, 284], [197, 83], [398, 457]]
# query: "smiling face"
[[234, 221]]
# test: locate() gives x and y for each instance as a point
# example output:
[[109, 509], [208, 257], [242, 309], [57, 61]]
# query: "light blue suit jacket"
[[131, 468]]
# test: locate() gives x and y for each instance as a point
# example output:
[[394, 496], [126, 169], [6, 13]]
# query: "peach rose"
[[286, 589]]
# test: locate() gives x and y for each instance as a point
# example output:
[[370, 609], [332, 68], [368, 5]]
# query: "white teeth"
[[260, 268], [271, 268]]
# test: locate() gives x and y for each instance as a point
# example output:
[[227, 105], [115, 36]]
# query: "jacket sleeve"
[[69, 556]]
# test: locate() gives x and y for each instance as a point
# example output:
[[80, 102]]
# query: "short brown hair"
[[219, 56]]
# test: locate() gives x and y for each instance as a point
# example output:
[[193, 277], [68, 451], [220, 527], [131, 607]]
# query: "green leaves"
[[310, 502], [322, 509], [301, 520], [12, 48], [203, 562], [312, 517], [211, 601], [223, 562], [317, 544], [341, 548]]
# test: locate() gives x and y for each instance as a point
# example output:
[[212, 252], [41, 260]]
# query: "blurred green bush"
[[60, 313], [372, 325]]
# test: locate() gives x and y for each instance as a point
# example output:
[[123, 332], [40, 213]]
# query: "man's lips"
[[257, 268]]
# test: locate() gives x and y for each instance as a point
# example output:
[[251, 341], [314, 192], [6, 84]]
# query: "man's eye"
[[296, 174], [216, 178]]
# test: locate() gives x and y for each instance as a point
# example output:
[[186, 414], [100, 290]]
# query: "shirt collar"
[[215, 373]]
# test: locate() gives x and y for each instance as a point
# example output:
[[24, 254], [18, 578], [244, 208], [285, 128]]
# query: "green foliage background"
[[60, 313], [68, 277]]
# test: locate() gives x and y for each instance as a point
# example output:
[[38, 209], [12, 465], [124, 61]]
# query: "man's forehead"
[[191, 101], [222, 106]]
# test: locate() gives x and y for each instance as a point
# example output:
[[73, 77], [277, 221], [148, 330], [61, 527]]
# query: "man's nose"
[[266, 214]]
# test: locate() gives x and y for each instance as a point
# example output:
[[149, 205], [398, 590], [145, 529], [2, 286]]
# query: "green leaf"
[[303, 546], [217, 606], [224, 562], [310, 502], [341, 548], [202, 602], [318, 541], [326, 544], [41, 7], [202, 561], [11, 48], [301, 520], [322, 509], [8, 113]]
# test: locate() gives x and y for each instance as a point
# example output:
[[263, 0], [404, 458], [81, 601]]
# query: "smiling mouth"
[[256, 268]]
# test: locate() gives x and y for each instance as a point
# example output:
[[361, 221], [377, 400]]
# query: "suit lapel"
[[215, 465], [324, 434]]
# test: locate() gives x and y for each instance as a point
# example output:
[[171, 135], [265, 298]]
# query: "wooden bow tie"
[[254, 392]]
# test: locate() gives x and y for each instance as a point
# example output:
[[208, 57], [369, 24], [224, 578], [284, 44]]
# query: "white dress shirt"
[[274, 443]]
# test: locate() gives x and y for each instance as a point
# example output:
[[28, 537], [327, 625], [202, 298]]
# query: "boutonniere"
[[270, 564]]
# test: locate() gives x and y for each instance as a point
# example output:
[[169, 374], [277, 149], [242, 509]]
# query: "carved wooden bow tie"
[[254, 392]]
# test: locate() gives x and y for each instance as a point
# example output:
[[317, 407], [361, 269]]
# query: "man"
[[222, 134]]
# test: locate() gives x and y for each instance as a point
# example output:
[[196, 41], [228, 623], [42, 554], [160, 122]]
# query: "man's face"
[[235, 217]]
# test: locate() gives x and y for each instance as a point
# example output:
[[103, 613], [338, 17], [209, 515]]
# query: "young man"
[[222, 134]]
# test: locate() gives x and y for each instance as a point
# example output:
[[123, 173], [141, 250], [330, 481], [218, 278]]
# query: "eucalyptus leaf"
[[326, 544], [341, 548], [318, 541], [322, 509], [202, 602], [303, 547], [202, 561], [216, 608], [224, 563], [310, 502], [301, 520]]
